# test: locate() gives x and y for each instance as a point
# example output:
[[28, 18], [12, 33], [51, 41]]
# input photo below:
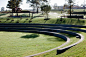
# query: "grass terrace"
[[76, 51], [20, 44]]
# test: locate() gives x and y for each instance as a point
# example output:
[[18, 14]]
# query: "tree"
[[2, 9], [12, 4], [46, 9], [70, 5], [36, 3], [84, 5], [55, 6], [42, 4]]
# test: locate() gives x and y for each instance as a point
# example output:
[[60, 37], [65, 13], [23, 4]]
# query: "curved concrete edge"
[[47, 27], [52, 33], [43, 24], [65, 48], [59, 51], [68, 40]]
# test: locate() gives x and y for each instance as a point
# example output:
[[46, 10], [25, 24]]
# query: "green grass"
[[73, 39], [18, 44], [72, 21], [55, 11], [76, 10], [76, 51]]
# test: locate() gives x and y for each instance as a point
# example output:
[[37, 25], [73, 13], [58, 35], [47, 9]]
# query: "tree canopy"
[[36, 3], [46, 9], [69, 5], [13, 3]]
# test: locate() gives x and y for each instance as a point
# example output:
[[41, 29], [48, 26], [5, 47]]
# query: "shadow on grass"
[[55, 39], [30, 36], [76, 31], [68, 35], [45, 21], [23, 16]]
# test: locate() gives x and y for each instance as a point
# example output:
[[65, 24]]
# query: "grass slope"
[[41, 20]]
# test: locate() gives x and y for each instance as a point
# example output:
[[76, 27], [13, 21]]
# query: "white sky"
[[3, 3]]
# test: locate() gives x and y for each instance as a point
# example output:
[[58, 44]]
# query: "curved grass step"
[[50, 31], [59, 51], [44, 24]]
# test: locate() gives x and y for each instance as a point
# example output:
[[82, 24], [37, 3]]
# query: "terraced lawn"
[[76, 51], [73, 39], [18, 44]]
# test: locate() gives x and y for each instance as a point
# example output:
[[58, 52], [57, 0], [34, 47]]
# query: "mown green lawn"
[[19, 44], [70, 21], [76, 51], [76, 10]]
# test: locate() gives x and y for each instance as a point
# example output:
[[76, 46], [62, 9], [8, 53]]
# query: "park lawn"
[[72, 21], [77, 51], [73, 39], [56, 11], [19, 44], [76, 10]]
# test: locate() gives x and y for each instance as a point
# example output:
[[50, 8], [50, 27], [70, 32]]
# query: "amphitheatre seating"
[[39, 29], [36, 30], [26, 24], [49, 29], [63, 27]]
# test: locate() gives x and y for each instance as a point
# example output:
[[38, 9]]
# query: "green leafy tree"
[[46, 9], [55, 6], [36, 3], [69, 5], [42, 4], [12, 4], [32, 3]]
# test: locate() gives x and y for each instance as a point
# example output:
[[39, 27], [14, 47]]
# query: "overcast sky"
[[3, 3]]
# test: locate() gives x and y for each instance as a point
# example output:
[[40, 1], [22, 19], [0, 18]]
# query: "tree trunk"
[[42, 12], [47, 15], [37, 10], [12, 12], [17, 13], [29, 14], [70, 9], [32, 16]]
